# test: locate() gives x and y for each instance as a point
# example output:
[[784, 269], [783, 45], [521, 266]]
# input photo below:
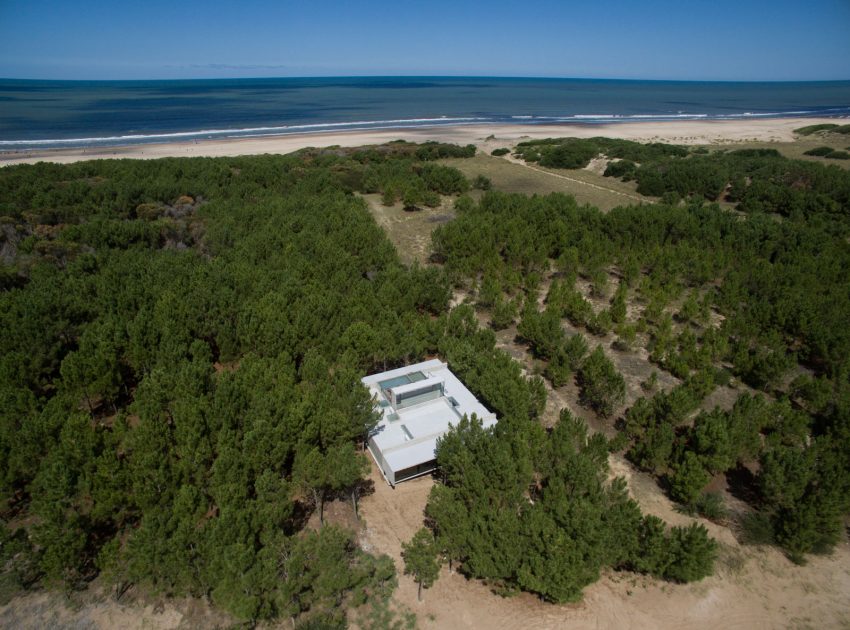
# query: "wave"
[[834, 112], [248, 131], [400, 123]]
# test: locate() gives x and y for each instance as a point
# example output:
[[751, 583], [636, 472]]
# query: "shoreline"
[[484, 136]]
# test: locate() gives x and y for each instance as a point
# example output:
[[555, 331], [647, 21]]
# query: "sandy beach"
[[486, 137]]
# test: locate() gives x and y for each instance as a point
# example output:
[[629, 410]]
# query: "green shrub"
[[558, 369], [685, 554], [653, 555], [710, 505], [600, 324], [819, 151], [688, 479], [575, 348], [810, 129], [499, 152], [438, 150], [624, 169], [503, 314], [572, 154], [755, 153], [482, 182], [650, 383]]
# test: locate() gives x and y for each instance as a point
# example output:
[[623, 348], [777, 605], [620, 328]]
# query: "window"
[[429, 392]]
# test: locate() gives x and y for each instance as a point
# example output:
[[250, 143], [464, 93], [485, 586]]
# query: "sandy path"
[[514, 160], [487, 137]]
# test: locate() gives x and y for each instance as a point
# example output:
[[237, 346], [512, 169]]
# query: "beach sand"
[[486, 137]]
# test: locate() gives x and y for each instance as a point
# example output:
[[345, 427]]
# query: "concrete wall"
[[382, 464]]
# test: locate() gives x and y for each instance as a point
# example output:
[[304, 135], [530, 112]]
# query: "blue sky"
[[649, 39]]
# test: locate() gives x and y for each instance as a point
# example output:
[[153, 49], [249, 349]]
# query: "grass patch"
[[757, 529], [711, 506], [587, 187], [409, 232], [708, 505]]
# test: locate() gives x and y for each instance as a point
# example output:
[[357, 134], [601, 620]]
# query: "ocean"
[[51, 114]]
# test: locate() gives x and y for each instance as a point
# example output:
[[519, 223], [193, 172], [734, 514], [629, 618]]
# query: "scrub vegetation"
[[181, 343], [823, 128], [180, 351], [758, 295]]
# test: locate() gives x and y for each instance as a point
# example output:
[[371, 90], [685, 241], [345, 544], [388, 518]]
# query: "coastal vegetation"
[[181, 343], [828, 152], [528, 509], [823, 128], [180, 355], [577, 152], [755, 297]]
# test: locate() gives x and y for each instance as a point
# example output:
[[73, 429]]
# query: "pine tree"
[[688, 479], [420, 559], [346, 469], [602, 386], [692, 554]]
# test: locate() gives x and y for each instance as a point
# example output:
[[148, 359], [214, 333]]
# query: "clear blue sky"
[[649, 39]]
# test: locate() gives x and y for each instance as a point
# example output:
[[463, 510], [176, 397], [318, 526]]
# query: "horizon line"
[[426, 76]]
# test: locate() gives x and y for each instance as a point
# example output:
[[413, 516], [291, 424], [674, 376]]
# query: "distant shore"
[[486, 137]]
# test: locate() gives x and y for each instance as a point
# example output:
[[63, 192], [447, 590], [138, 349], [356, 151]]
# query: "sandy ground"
[[99, 611], [681, 132], [753, 588]]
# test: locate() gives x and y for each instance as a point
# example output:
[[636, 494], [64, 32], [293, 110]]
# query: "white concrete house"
[[418, 403]]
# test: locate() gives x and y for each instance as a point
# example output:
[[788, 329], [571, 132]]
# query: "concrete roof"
[[408, 436]]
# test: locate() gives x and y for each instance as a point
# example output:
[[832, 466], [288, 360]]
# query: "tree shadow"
[[366, 488], [742, 485], [301, 513]]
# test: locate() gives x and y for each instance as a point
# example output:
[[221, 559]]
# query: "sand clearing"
[[679, 132], [752, 588]]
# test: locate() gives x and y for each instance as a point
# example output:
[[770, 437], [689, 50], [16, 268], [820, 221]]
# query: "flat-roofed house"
[[418, 403]]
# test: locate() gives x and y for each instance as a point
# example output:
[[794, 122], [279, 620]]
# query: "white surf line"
[[577, 181]]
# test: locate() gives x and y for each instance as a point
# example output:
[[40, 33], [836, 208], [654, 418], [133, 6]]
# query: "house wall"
[[415, 471], [382, 463]]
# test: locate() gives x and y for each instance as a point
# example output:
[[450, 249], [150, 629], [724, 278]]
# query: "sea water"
[[51, 114]]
